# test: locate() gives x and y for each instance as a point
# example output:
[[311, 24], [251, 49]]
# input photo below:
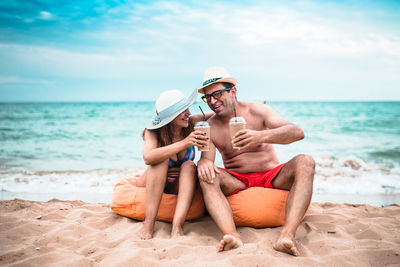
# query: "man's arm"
[[283, 135], [278, 130], [206, 168]]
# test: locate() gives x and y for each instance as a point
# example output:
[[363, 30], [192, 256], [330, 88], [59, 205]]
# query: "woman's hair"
[[164, 134]]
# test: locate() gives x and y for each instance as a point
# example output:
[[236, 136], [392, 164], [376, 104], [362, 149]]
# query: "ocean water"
[[80, 150]]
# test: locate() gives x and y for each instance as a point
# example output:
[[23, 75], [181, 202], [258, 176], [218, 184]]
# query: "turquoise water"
[[86, 147], [367, 130], [72, 136]]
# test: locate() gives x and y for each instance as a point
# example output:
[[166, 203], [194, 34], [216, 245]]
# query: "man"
[[256, 155]]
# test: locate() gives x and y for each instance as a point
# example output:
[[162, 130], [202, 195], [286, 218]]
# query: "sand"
[[74, 233]]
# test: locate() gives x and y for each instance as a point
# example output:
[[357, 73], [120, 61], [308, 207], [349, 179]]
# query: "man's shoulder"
[[213, 119], [258, 108]]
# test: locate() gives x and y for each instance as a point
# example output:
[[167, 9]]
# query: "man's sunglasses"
[[217, 94]]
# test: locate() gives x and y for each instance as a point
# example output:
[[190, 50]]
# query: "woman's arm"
[[152, 154]]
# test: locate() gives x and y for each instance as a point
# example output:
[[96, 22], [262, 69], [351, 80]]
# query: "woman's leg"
[[155, 176], [141, 182], [187, 183]]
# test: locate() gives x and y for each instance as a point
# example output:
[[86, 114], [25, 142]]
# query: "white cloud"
[[19, 80], [9, 79], [59, 62], [45, 15], [261, 24], [306, 52]]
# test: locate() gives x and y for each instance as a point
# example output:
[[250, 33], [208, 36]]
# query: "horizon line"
[[147, 101]]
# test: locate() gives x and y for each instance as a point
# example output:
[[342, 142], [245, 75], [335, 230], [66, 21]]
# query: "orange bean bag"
[[259, 207], [130, 201]]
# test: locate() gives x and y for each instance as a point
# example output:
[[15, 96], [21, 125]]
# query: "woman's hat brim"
[[189, 101]]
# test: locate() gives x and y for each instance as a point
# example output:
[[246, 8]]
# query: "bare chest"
[[221, 137]]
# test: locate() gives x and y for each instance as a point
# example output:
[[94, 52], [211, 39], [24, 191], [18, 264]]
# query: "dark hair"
[[164, 134], [227, 85]]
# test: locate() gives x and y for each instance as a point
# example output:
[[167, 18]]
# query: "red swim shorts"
[[256, 179]]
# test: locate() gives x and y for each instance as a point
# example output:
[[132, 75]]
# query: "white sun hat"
[[216, 75], [169, 105]]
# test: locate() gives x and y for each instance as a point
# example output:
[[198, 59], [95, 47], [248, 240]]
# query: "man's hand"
[[206, 170], [247, 138]]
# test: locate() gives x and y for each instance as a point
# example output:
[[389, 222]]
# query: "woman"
[[169, 151]]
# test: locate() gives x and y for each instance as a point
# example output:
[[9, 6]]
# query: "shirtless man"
[[256, 155]]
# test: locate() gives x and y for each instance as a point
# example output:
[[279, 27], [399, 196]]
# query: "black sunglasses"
[[217, 94]]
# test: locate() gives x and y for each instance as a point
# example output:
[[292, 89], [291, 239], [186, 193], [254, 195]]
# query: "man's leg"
[[297, 176], [219, 209], [156, 176]]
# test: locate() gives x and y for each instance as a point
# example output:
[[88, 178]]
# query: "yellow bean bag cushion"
[[259, 207], [130, 201]]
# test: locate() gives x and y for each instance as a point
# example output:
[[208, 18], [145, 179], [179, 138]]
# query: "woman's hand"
[[196, 138]]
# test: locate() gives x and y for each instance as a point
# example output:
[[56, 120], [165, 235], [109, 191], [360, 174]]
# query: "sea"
[[79, 151]]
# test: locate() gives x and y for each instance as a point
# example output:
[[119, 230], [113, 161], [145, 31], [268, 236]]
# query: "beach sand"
[[74, 233]]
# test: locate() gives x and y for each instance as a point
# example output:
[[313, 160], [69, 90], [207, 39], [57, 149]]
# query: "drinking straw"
[[234, 110], [204, 115]]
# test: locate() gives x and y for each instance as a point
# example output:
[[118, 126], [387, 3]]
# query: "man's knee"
[[216, 181], [303, 160], [205, 186], [306, 163]]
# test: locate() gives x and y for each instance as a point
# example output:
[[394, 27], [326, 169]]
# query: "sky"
[[134, 50]]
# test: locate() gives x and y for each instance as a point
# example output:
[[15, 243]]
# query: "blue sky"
[[134, 50]]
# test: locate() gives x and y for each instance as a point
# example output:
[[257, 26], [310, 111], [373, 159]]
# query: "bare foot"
[[147, 231], [229, 242], [286, 244], [176, 231]]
